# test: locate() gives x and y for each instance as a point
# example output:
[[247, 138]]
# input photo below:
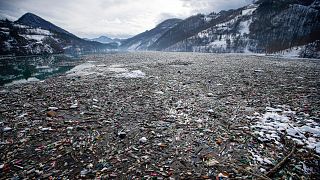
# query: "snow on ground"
[[217, 43], [21, 26], [39, 31], [208, 18], [66, 47], [250, 9], [290, 53], [281, 121], [134, 46], [42, 67], [35, 37], [203, 34], [227, 24], [4, 29], [244, 27]]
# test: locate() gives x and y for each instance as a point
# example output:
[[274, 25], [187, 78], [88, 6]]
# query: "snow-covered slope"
[[35, 21], [228, 36], [144, 40], [266, 26], [310, 50], [34, 35], [22, 39]]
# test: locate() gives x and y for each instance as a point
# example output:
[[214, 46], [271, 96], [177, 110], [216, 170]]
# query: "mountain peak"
[[103, 39], [169, 22], [35, 21], [30, 15]]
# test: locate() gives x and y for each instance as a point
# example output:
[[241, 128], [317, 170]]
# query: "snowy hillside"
[[228, 36], [144, 40], [266, 26], [22, 39], [33, 35]]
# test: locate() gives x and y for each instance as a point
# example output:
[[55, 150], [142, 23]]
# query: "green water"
[[22, 69]]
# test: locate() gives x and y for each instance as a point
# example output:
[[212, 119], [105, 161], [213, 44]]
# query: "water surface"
[[15, 70]]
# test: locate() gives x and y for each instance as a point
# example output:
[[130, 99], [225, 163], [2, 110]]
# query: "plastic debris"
[[132, 116], [143, 140]]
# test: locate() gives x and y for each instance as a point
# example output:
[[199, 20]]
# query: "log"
[[276, 168]]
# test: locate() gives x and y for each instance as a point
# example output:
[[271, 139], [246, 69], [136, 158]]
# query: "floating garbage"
[[143, 140], [142, 115]]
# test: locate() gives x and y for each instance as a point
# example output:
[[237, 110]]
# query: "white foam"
[[132, 74]]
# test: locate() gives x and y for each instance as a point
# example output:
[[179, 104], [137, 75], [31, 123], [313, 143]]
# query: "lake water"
[[14, 70]]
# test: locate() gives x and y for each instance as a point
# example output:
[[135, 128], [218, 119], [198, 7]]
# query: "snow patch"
[[278, 122], [249, 11], [244, 27], [134, 46], [33, 37], [21, 26], [39, 31], [222, 43], [132, 74]]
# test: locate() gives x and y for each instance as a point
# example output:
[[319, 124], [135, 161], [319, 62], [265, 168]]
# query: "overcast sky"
[[115, 18]]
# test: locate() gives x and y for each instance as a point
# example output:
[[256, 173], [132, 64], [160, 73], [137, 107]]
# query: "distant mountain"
[[105, 40], [144, 40], [31, 34], [265, 26]]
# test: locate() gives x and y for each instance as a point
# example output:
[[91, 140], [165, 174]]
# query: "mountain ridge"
[[105, 40], [35, 21], [265, 26], [143, 40], [31, 35]]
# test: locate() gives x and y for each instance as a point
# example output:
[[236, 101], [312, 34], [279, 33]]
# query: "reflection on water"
[[34, 68]]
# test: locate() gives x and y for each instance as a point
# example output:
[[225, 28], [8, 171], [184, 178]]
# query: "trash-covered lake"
[[24, 69], [157, 115]]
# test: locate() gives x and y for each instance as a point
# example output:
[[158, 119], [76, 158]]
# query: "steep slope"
[[35, 21], [144, 40], [266, 26], [227, 35], [34, 35], [189, 27], [280, 25]]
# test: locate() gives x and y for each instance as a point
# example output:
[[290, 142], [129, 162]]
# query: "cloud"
[[208, 6], [115, 18]]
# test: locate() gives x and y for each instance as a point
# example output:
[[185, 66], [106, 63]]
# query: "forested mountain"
[[144, 40], [266, 26], [31, 34]]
